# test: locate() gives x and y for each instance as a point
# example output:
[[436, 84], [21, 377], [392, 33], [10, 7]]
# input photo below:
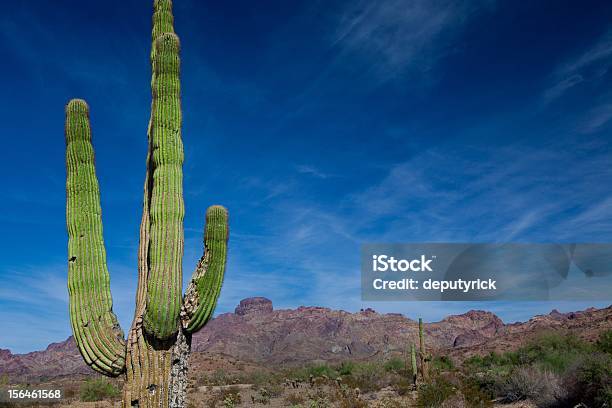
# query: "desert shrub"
[[258, 378], [390, 403], [553, 369], [218, 377], [320, 403], [262, 397], [395, 365], [604, 343], [402, 385], [226, 397], [434, 394], [322, 370], [589, 381], [550, 352], [274, 390], [98, 389], [266, 393], [312, 371], [367, 377], [540, 386], [475, 397], [489, 380], [295, 399], [492, 360], [553, 351], [490, 370], [345, 397], [231, 394], [442, 363], [346, 368]]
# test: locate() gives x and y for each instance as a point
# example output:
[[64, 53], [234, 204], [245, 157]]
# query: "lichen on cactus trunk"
[[154, 359]]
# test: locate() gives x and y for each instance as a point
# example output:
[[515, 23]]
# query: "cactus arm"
[[95, 327], [205, 286], [164, 281]]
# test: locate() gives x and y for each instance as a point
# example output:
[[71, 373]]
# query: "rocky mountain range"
[[256, 333]]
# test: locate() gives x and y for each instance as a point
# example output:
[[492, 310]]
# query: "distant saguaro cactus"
[[422, 352], [154, 358], [413, 362]]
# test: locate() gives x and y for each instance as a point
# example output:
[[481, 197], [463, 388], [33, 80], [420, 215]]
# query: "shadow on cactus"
[[154, 356]]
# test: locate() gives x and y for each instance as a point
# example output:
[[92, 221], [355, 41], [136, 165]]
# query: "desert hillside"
[[259, 335]]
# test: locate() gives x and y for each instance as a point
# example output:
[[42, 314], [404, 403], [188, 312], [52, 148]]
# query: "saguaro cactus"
[[154, 357], [413, 361], [422, 352]]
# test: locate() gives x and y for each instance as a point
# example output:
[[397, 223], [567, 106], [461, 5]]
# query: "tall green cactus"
[[413, 362], [154, 358], [96, 330], [422, 352], [163, 298]]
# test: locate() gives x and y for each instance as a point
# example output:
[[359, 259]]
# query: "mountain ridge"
[[259, 334]]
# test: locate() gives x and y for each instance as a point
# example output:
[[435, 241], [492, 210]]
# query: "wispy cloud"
[[601, 51], [39, 295], [400, 35], [511, 193], [590, 65], [311, 171], [560, 87], [596, 119], [595, 218]]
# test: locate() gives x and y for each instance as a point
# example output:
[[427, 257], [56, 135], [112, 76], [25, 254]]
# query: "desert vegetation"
[[552, 370]]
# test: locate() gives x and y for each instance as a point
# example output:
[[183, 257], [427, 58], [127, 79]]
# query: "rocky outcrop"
[[254, 305]]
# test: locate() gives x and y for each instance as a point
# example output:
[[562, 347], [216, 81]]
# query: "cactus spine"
[[154, 358]]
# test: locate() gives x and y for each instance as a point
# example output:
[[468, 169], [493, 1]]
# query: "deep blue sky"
[[320, 125]]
